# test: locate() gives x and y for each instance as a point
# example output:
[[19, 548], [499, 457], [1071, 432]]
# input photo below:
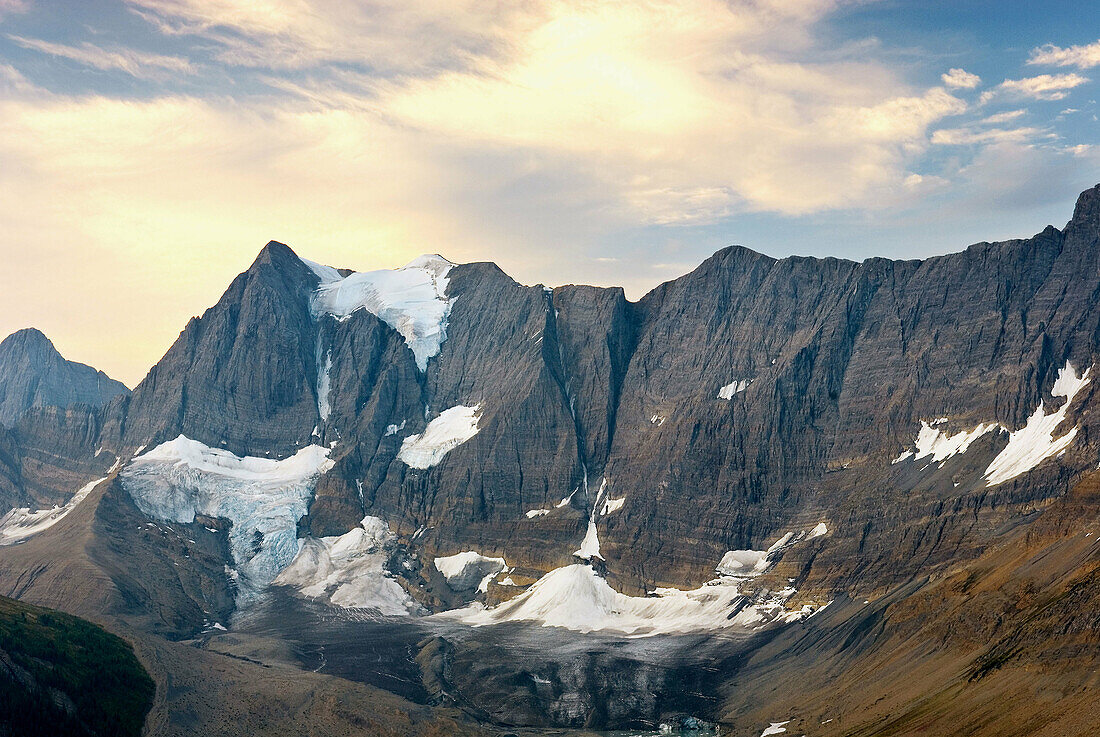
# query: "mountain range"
[[858, 497]]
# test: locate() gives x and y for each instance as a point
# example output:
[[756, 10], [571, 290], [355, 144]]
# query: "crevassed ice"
[[450, 429], [469, 569], [412, 300], [263, 498], [1035, 442], [349, 570], [22, 523]]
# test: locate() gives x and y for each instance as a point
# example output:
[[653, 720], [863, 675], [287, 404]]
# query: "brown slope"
[[1006, 645]]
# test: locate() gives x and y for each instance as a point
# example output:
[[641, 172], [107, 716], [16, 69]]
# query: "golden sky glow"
[[572, 140]]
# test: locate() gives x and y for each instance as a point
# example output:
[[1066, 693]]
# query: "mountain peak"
[[28, 337], [34, 374], [1087, 211]]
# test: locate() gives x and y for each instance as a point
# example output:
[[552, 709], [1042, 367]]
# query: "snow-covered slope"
[[412, 300], [19, 524], [1035, 442], [262, 497], [450, 429], [349, 570], [577, 598]]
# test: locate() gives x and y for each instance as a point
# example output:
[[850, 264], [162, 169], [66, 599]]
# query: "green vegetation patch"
[[61, 675]]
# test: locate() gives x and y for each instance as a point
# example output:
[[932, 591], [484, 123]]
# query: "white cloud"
[[1082, 57], [1042, 87], [132, 62], [969, 136], [960, 78], [1005, 117]]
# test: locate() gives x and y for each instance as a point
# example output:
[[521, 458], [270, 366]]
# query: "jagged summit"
[[1087, 211], [34, 374]]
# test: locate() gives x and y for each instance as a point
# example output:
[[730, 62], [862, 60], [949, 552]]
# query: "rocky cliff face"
[[747, 398], [928, 413], [34, 374]]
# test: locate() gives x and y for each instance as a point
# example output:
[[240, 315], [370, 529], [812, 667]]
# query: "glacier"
[[263, 498], [412, 300], [577, 598]]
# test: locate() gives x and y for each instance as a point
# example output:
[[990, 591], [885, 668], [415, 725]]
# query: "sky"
[[150, 148]]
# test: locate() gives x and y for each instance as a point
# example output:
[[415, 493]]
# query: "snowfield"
[[450, 429], [1035, 442], [21, 523], [262, 497], [1027, 447], [933, 442], [736, 387]]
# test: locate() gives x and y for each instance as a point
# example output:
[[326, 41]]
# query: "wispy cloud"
[[1042, 87], [131, 61], [970, 136], [960, 78], [1005, 117], [1082, 57], [12, 6]]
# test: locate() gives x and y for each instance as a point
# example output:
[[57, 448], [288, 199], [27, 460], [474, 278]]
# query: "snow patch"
[[743, 563], [324, 386], [20, 524], [736, 387], [532, 513], [820, 529], [412, 300], [934, 442], [349, 570], [394, 429], [590, 545], [1035, 442], [468, 570], [263, 498], [612, 505], [450, 429], [776, 728]]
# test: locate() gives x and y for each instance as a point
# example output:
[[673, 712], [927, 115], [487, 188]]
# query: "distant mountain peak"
[[34, 374]]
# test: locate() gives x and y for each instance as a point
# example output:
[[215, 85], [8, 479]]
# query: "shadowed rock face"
[[34, 374]]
